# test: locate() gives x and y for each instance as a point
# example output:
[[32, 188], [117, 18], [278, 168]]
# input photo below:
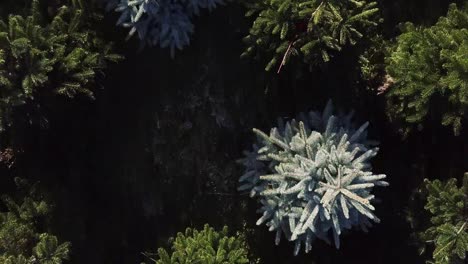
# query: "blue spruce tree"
[[313, 177], [167, 23]]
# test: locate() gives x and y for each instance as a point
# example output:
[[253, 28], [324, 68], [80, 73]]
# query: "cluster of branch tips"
[[312, 177]]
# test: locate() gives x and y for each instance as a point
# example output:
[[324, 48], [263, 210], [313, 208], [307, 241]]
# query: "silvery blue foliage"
[[313, 177], [166, 23]]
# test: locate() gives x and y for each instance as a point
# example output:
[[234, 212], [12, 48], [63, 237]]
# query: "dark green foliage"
[[448, 231], [310, 29], [206, 246], [430, 68], [22, 238], [372, 64], [43, 55]]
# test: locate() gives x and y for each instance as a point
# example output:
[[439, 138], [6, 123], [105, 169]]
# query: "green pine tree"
[[48, 53], [206, 246], [309, 29], [447, 231], [22, 238], [429, 68]]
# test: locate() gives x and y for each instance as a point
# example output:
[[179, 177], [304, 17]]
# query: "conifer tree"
[[205, 246], [22, 238], [310, 29], [429, 68], [448, 231], [313, 177], [44, 54], [164, 23]]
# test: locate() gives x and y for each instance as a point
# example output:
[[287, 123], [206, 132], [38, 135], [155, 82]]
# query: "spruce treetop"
[[205, 246], [448, 231], [164, 23], [22, 239], [309, 29], [313, 177], [429, 70], [43, 55]]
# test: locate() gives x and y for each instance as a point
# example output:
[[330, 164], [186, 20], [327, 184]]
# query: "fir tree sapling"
[[310, 29], [205, 246], [167, 23], [429, 68], [22, 239], [313, 177], [41, 56]]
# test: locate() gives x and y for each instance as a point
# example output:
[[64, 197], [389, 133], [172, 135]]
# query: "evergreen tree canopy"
[[22, 238], [310, 29], [448, 205], [167, 23], [205, 246], [313, 176], [429, 66], [41, 56]]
